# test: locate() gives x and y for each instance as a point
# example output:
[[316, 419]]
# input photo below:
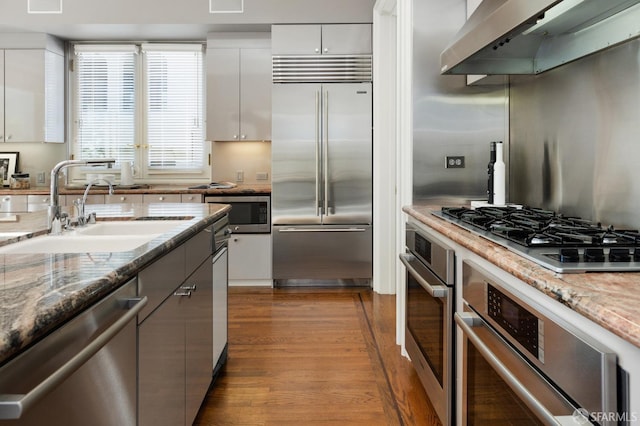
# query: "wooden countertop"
[[610, 299], [39, 292]]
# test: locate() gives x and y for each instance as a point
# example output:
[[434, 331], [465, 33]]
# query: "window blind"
[[174, 106], [105, 102]]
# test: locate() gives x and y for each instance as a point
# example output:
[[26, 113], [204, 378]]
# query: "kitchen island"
[[40, 292]]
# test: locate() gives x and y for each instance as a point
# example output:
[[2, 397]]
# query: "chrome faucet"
[[80, 203], [53, 216]]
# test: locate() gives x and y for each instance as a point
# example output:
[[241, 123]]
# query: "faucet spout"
[[54, 198], [82, 218]]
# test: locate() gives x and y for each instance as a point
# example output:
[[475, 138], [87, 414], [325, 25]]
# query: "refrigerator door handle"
[[318, 156], [322, 230], [325, 150]]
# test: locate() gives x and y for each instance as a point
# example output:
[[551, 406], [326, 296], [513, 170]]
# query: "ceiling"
[[172, 20]]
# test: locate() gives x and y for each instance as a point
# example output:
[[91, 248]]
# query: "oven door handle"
[[467, 321], [434, 291]]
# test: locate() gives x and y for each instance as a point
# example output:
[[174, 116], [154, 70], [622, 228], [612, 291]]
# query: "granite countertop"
[[39, 292], [609, 299], [263, 188]]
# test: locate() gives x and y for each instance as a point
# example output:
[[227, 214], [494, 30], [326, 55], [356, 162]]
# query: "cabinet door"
[[250, 257], [24, 95], [346, 39], [198, 316], [1, 95], [296, 39], [223, 94], [161, 365], [255, 94], [34, 96]]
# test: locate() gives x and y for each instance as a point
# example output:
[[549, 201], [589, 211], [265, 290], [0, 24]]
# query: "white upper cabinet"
[[332, 39], [238, 92], [33, 96]]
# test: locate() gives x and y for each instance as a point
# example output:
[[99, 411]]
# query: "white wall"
[[250, 157]]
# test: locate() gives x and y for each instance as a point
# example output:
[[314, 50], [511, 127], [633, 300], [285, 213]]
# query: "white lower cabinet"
[[13, 203], [175, 334], [250, 259]]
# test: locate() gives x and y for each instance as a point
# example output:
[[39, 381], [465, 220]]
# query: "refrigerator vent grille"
[[322, 68]]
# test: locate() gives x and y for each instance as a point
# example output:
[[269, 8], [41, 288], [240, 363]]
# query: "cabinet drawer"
[[123, 198], [160, 279], [38, 202], [198, 249], [13, 203], [161, 198], [191, 198]]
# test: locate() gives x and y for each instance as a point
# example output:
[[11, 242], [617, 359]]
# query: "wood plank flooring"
[[314, 356]]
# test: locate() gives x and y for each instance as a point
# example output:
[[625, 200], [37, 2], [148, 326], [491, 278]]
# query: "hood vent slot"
[[533, 36], [322, 68]]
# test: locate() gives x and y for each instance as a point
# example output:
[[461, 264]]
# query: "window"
[[141, 103]]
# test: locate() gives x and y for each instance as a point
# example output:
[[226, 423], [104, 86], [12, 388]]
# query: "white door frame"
[[392, 145]]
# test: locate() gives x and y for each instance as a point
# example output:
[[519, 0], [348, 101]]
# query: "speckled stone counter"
[[611, 300], [146, 189], [39, 292]]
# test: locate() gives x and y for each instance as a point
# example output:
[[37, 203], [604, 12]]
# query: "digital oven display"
[[521, 324]]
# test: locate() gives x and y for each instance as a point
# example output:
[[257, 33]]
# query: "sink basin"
[[129, 227], [110, 236], [77, 244]]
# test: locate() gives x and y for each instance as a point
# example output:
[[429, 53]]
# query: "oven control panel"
[[522, 325]]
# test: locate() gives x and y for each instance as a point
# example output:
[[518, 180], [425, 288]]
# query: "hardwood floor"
[[314, 356]]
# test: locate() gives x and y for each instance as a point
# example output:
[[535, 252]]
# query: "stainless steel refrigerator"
[[322, 182]]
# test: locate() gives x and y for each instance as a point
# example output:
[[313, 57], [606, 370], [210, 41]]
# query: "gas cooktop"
[[560, 243]]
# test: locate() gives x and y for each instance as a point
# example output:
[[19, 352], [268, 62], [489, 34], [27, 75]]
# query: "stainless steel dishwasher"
[[82, 373]]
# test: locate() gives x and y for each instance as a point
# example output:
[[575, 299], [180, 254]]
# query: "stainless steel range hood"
[[533, 36]]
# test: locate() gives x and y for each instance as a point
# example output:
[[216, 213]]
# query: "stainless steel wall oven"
[[522, 366], [250, 214], [430, 300]]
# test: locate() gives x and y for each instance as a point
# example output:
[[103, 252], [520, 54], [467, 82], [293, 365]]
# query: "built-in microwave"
[[250, 214]]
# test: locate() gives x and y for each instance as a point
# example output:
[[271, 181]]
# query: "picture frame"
[[10, 162]]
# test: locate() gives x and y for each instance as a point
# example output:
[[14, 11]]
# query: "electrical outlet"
[[262, 176], [454, 162], [239, 175], [41, 177]]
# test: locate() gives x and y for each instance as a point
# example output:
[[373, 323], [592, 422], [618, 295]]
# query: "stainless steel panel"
[[100, 392], [198, 338], [220, 297], [449, 117], [348, 153], [294, 153], [590, 375], [161, 368], [429, 335], [574, 134], [322, 252], [349, 39], [322, 68]]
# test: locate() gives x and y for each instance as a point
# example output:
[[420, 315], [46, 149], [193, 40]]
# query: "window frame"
[[143, 174]]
